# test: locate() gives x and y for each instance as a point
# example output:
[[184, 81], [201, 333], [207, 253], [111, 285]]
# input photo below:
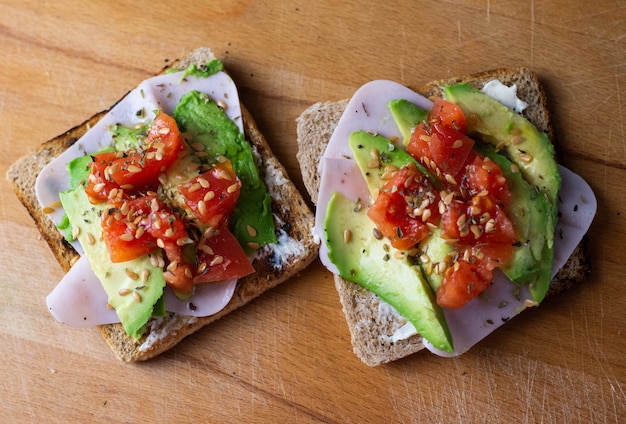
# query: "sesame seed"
[[188, 272], [98, 187], [110, 307], [525, 157], [194, 187], [134, 169], [501, 145], [127, 186], [251, 231], [132, 274], [136, 297], [253, 245], [164, 131], [202, 207], [90, 238], [154, 205], [169, 233], [207, 249], [347, 236], [209, 195], [374, 154], [172, 266], [139, 232], [222, 159], [127, 237], [517, 140], [426, 214], [450, 179], [216, 260], [183, 241], [232, 188], [514, 168], [476, 230], [222, 104], [457, 144], [145, 274], [373, 164], [160, 243], [124, 292], [75, 231], [204, 183], [490, 226]]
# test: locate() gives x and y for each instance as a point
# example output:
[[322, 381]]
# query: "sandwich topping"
[[446, 210], [164, 202]]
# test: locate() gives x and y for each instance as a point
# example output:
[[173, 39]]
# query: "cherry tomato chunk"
[[404, 208], [220, 257], [213, 195], [136, 171]]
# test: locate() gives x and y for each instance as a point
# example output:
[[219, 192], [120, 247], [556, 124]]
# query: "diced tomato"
[[450, 149], [220, 257], [404, 207], [137, 171], [180, 279], [448, 114], [213, 195], [442, 143], [473, 218], [134, 229], [99, 187], [462, 282], [483, 174], [419, 145]]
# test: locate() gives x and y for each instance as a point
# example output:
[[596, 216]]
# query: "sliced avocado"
[[366, 147], [118, 279], [372, 263], [434, 250], [407, 115], [529, 150]]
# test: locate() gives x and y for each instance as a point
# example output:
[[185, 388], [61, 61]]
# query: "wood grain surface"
[[286, 357]]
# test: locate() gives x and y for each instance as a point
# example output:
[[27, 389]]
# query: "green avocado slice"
[[372, 263]]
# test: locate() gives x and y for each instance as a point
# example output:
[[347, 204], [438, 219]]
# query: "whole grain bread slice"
[[274, 264], [371, 321]]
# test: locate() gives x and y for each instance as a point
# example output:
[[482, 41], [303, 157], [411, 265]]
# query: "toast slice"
[[371, 321], [274, 264]]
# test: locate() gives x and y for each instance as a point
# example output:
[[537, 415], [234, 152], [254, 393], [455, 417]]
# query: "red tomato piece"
[[419, 145], [99, 187], [139, 226], [404, 207], [462, 282], [180, 279], [220, 257], [450, 149], [213, 195], [448, 114], [137, 171], [483, 174]]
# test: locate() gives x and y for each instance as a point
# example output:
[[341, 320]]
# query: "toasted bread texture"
[[274, 263], [372, 322]]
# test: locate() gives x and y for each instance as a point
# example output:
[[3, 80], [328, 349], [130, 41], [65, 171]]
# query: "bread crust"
[[372, 325], [273, 263]]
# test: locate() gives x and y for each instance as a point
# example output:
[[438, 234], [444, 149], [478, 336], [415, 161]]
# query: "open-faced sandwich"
[[442, 210], [168, 211]]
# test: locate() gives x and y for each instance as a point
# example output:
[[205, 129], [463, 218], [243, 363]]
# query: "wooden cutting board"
[[286, 357]]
